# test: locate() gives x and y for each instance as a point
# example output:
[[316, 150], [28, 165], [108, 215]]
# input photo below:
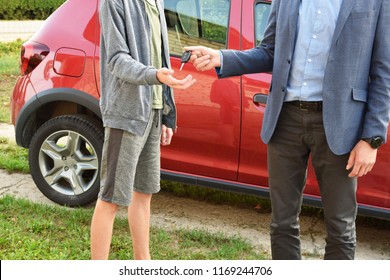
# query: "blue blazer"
[[356, 92]]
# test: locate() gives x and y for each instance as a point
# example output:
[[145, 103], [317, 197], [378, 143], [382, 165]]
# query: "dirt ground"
[[170, 212]]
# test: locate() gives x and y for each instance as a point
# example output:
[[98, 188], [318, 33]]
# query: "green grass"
[[12, 157], [6, 87], [9, 65], [9, 69], [9, 57], [31, 231]]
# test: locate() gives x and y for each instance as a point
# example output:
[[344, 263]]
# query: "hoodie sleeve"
[[119, 59]]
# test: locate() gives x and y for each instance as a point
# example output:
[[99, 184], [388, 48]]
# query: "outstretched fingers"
[[183, 83], [165, 76]]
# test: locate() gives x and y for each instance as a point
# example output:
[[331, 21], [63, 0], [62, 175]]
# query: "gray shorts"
[[130, 163]]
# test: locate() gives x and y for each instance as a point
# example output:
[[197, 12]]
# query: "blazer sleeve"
[[378, 100], [256, 60]]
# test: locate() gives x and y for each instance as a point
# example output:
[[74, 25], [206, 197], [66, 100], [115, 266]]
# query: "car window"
[[262, 10], [196, 22]]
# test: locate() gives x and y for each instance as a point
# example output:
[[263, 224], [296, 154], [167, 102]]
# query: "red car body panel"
[[218, 137]]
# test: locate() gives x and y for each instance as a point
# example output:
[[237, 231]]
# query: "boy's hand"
[[164, 75], [166, 135]]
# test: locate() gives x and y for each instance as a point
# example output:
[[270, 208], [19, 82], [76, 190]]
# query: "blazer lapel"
[[345, 10]]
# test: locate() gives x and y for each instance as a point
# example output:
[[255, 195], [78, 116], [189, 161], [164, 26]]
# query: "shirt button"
[[319, 12], [309, 60], [305, 84], [314, 36]]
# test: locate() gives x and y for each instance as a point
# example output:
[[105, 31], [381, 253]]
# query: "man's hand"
[[361, 159], [164, 75], [204, 58], [166, 135]]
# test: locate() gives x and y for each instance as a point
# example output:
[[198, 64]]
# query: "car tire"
[[64, 159]]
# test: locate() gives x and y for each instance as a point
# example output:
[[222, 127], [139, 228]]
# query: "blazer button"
[[288, 61], [283, 89]]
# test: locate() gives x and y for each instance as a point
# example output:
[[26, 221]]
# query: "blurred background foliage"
[[28, 9]]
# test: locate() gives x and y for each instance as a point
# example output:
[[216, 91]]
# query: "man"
[[329, 98], [138, 111]]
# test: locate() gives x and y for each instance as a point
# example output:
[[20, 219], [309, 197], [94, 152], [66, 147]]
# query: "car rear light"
[[31, 55]]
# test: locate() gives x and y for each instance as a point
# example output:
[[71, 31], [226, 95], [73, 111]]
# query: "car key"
[[185, 58]]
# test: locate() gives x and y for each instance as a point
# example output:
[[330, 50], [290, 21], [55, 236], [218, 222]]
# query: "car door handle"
[[260, 98]]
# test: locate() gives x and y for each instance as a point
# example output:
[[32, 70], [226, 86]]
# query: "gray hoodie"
[[126, 74]]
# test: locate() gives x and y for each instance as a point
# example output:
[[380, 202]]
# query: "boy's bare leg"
[[101, 229], [139, 221]]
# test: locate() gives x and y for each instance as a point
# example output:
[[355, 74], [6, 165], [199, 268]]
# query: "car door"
[[209, 113], [253, 153]]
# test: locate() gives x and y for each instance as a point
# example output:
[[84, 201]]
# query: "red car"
[[55, 107]]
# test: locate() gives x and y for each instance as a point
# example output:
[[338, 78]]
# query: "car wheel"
[[64, 158]]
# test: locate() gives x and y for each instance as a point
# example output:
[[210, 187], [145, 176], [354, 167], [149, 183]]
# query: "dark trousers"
[[298, 135]]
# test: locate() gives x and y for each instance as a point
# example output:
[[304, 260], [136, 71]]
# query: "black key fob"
[[185, 58]]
